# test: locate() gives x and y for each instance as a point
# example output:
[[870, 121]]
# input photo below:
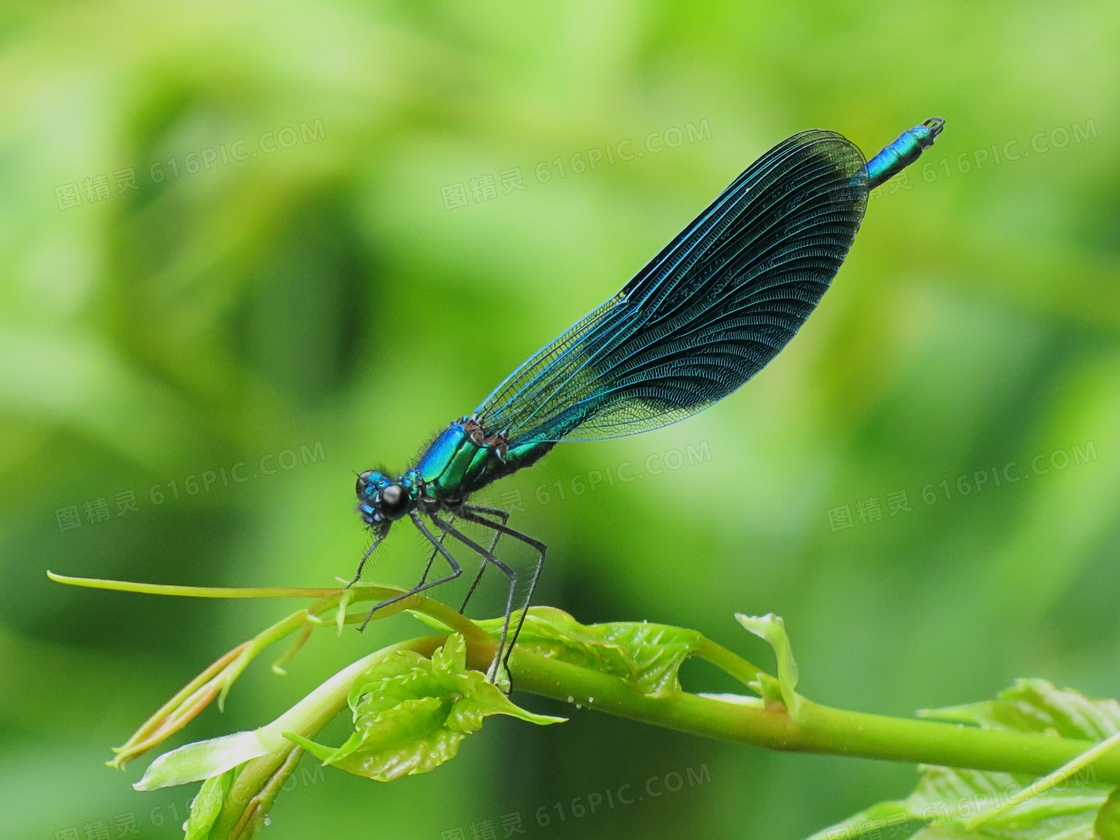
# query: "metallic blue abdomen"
[[902, 152]]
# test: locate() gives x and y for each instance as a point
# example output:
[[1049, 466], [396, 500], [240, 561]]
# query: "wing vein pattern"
[[707, 313]]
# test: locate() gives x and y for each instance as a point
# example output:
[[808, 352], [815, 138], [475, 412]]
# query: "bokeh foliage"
[[322, 297]]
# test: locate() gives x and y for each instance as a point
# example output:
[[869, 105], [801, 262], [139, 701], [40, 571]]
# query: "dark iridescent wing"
[[707, 313]]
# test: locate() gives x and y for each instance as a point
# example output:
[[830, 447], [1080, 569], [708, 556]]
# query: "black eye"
[[363, 480], [394, 501]]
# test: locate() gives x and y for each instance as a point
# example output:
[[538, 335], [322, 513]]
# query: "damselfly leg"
[[502, 567], [475, 513], [488, 511], [440, 549], [362, 562], [437, 546]]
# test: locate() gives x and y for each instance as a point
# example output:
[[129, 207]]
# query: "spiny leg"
[[432, 556], [499, 659], [471, 514], [488, 511], [501, 514], [365, 557], [438, 545]]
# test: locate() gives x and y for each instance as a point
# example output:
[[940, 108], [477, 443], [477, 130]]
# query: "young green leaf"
[[1033, 705], [204, 759], [771, 628], [956, 804], [648, 656], [411, 713], [207, 805]]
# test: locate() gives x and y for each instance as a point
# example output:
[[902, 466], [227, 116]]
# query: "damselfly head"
[[382, 499]]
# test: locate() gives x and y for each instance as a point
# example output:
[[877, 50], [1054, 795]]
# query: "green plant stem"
[[818, 729], [731, 663], [180, 591], [328, 599], [815, 728]]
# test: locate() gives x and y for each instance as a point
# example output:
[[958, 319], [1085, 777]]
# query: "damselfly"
[[705, 315]]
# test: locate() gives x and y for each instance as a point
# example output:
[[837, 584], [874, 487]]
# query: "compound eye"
[[394, 501], [363, 482]]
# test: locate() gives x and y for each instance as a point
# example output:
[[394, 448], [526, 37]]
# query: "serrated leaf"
[[887, 818], [948, 800], [772, 629], [646, 655], [451, 659], [411, 713], [1033, 705]]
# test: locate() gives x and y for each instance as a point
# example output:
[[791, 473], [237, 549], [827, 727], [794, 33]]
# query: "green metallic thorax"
[[461, 461]]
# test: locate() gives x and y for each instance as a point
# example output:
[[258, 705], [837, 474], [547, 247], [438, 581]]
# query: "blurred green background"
[[303, 237]]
